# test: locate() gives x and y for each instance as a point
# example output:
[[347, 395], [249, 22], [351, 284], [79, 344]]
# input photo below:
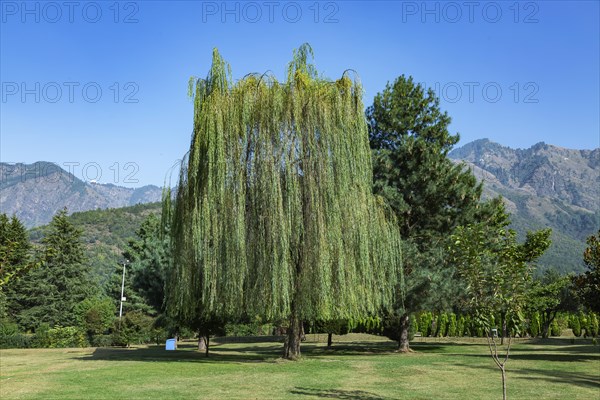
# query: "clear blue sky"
[[543, 56]]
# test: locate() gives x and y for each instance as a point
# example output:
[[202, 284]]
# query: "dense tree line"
[[297, 212]]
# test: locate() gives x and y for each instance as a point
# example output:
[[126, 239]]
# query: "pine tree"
[[15, 255], [430, 194], [274, 213], [49, 294]]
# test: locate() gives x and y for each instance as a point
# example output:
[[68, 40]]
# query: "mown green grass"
[[357, 370]]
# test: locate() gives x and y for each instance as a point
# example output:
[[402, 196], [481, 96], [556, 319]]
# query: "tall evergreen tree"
[[15, 256], [150, 261], [430, 194], [49, 294], [15, 249], [274, 214]]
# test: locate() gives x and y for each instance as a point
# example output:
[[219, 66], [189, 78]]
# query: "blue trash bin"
[[171, 344]]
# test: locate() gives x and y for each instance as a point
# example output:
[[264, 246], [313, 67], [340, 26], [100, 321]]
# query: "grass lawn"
[[357, 368]]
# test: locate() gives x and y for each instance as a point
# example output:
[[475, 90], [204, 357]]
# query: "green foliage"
[[496, 269], [102, 340], [414, 326], [575, 325], [274, 213], [150, 258], [452, 326], [593, 324], [41, 338], [549, 294], [425, 321], [95, 315], [588, 284], [50, 292], [336, 326], [442, 325], [429, 194], [410, 140], [105, 234], [68, 336], [135, 328], [15, 250], [555, 328], [535, 324], [11, 338]]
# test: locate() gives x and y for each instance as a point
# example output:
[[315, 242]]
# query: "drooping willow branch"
[[274, 204]]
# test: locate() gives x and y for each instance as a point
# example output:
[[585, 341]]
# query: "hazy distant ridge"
[[35, 192]]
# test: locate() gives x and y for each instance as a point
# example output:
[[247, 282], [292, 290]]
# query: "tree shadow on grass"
[[551, 376], [558, 355], [185, 353], [232, 352], [348, 349], [337, 394], [562, 377]]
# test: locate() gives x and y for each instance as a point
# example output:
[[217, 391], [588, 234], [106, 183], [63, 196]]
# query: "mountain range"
[[35, 192], [542, 186]]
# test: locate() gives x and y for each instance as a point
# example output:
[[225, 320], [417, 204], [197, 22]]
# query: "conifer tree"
[[15, 249], [49, 293], [430, 195]]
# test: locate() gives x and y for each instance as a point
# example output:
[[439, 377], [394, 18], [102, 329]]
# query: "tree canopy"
[[50, 292], [410, 138], [430, 195], [588, 283], [274, 213]]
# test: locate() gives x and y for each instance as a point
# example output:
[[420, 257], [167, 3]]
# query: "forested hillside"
[[105, 234]]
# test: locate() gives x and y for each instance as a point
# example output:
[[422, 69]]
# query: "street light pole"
[[122, 292]]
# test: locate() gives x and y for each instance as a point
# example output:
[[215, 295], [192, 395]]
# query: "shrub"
[[102, 340], [535, 324], [555, 328], [425, 323], [68, 336], [460, 326], [452, 326], [584, 323], [11, 338], [413, 327], [42, 336], [593, 324], [442, 328], [95, 315], [135, 328], [575, 325]]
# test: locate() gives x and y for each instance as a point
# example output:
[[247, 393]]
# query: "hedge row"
[[452, 325]]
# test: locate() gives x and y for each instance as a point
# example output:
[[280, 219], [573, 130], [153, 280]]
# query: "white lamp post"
[[122, 291]]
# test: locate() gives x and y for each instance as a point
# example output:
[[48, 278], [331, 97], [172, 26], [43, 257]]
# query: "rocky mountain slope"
[[35, 192], [543, 186]]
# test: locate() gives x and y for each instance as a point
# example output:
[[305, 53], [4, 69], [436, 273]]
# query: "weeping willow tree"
[[274, 214]]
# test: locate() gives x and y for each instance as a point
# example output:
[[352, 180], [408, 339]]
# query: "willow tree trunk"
[[329, 339], [403, 340], [291, 348]]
